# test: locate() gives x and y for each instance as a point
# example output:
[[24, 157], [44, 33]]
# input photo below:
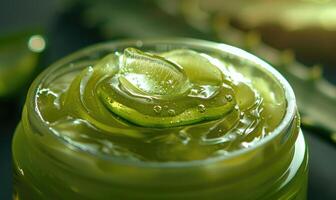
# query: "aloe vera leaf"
[[316, 97], [19, 55]]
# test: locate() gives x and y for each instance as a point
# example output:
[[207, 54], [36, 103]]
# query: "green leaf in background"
[[308, 27], [19, 55], [118, 18]]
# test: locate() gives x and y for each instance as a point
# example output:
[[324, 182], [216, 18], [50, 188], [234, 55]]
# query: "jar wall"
[[44, 166]]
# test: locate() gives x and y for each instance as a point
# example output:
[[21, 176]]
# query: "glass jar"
[[47, 166]]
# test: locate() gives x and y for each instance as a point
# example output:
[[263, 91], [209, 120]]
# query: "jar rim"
[[228, 49]]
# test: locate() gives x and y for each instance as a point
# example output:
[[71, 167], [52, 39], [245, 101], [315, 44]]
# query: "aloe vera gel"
[[160, 119]]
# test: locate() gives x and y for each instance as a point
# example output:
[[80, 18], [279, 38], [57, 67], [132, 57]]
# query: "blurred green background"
[[298, 37]]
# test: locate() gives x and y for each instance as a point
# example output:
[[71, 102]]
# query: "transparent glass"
[[48, 167]]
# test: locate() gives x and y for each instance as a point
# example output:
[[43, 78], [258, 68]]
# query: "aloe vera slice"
[[189, 116], [198, 68]]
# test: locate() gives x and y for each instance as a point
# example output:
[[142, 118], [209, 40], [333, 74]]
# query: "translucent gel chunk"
[[152, 74]]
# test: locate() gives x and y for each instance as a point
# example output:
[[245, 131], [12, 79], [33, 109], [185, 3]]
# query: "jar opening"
[[167, 43]]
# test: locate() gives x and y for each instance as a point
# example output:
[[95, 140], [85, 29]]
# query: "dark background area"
[[64, 35]]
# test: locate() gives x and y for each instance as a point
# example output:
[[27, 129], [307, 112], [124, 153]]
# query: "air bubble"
[[171, 112], [157, 109], [228, 97], [193, 92], [201, 108]]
